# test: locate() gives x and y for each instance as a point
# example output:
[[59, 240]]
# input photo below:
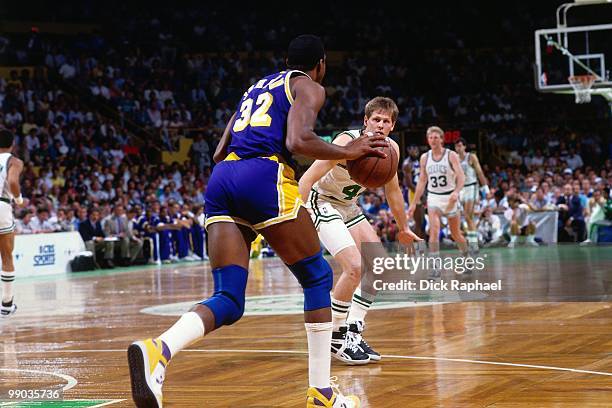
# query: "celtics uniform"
[[440, 183], [7, 222], [470, 188], [333, 205]]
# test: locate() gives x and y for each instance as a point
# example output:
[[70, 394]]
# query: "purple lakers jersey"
[[260, 127]]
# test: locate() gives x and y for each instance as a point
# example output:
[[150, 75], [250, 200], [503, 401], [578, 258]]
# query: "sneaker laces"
[[352, 342], [360, 326]]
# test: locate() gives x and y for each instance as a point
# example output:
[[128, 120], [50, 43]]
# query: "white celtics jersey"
[[337, 185], [440, 174], [468, 170], [5, 192]]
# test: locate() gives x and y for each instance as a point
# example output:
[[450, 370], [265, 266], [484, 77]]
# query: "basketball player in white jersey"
[[469, 193], [331, 197], [442, 174], [10, 170]]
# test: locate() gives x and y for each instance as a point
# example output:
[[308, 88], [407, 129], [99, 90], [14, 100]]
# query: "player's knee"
[[353, 270], [316, 277], [530, 230], [227, 303], [514, 229]]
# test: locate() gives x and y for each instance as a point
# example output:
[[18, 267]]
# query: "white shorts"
[[440, 201], [7, 222], [333, 222], [469, 193]]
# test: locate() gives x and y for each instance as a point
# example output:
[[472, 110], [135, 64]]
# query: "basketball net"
[[582, 85]]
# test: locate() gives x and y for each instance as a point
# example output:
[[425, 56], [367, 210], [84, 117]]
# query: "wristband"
[[19, 200]]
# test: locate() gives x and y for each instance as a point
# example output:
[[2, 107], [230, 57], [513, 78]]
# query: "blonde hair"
[[384, 104], [435, 129]]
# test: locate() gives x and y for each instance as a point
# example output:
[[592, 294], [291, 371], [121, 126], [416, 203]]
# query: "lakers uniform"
[[415, 166], [470, 189], [440, 183], [255, 185], [333, 205], [7, 222]]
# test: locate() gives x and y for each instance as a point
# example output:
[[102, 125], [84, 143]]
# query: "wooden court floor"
[[72, 331]]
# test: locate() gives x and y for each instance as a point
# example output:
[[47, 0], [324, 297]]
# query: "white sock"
[[7, 285], [472, 238], [361, 305], [319, 353], [513, 238], [185, 331], [339, 312], [530, 238]]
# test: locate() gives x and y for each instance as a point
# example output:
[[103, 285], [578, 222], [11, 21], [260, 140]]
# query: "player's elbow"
[[296, 145]]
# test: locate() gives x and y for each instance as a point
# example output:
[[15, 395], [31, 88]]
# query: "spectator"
[[572, 227], [200, 152], [40, 223], [596, 214], [574, 161], [116, 227], [93, 236], [539, 201], [24, 223]]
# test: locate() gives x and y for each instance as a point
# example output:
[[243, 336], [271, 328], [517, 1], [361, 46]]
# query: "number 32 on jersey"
[[259, 118]]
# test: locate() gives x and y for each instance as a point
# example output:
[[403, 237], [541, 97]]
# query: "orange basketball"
[[371, 171]]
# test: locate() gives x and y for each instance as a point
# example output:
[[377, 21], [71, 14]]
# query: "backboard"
[[566, 52]]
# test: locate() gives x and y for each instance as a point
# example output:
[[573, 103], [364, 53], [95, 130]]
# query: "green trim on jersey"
[[354, 221], [347, 132]]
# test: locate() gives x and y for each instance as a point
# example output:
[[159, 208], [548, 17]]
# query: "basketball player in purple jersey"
[[253, 189]]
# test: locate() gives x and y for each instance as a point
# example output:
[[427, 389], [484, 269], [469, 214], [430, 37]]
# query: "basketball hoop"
[[582, 85]]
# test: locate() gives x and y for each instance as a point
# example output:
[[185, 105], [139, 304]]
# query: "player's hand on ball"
[[366, 146]]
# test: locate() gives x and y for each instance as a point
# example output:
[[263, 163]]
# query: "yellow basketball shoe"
[[316, 399], [147, 372]]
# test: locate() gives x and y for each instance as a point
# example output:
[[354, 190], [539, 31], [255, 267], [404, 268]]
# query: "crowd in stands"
[[116, 207], [178, 72]]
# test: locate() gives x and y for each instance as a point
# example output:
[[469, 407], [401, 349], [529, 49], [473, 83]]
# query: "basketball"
[[372, 172]]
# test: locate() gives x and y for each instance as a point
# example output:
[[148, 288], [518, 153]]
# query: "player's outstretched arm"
[[15, 167], [421, 183], [301, 138], [459, 174], [226, 138], [479, 173], [395, 198], [396, 203], [314, 174]]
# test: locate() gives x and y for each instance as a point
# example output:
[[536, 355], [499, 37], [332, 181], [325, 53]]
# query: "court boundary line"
[[71, 382], [299, 352], [114, 401], [109, 402]]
